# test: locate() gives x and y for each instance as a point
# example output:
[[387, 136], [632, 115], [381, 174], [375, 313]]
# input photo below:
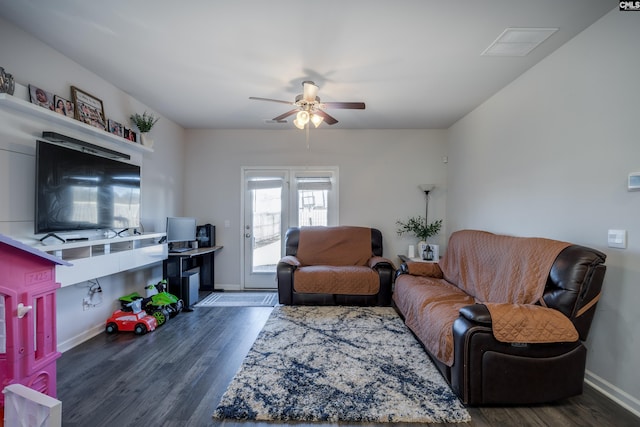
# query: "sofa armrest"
[[380, 262], [291, 260], [477, 313], [528, 323], [522, 322], [386, 273], [426, 269], [284, 272]]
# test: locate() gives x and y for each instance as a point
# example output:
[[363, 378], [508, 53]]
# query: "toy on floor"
[[136, 320], [158, 303], [161, 298], [160, 312]]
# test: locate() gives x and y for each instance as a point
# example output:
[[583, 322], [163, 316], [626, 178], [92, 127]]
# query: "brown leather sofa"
[[334, 266], [510, 314]]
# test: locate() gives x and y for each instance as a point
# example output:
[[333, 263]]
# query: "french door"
[[274, 200], [266, 207]]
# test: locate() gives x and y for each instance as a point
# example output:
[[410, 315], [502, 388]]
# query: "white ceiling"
[[415, 63]]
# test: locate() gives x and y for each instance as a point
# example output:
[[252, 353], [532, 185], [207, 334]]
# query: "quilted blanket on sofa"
[[334, 246], [500, 269], [485, 268]]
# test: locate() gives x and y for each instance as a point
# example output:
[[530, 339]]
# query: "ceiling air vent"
[[518, 41]]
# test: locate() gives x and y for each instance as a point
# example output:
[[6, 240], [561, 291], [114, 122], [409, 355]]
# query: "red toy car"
[[137, 321]]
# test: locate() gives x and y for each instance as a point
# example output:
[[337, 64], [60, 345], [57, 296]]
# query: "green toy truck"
[[160, 297], [160, 304]]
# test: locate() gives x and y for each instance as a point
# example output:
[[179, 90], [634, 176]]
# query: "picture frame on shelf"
[[63, 106], [130, 135], [89, 109], [41, 97], [115, 128]]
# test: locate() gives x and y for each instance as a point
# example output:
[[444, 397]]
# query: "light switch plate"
[[617, 239], [633, 181]]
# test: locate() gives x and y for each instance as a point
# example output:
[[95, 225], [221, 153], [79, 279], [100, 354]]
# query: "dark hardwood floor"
[[176, 375]]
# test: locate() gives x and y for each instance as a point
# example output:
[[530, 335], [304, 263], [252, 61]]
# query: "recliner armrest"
[[386, 271], [291, 260], [478, 313], [284, 277], [380, 262]]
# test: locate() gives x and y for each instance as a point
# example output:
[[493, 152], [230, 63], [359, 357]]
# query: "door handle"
[[247, 235]]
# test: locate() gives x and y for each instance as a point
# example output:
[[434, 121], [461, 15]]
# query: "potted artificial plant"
[[144, 122], [418, 226]]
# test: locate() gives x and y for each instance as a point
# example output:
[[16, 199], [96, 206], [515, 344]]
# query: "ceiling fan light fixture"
[[303, 117], [308, 107], [310, 91], [316, 119]]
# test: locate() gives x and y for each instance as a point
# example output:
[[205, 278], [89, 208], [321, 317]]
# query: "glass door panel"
[[265, 222]]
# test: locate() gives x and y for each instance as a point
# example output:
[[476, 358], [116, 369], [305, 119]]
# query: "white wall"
[[31, 61], [379, 170], [549, 156]]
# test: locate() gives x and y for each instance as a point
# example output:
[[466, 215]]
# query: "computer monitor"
[[181, 229]]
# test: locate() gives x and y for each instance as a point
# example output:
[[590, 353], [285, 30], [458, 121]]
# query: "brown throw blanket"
[[334, 246], [500, 269], [526, 323], [426, 269], [508, 274]]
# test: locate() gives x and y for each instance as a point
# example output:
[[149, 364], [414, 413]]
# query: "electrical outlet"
[[86, 303]]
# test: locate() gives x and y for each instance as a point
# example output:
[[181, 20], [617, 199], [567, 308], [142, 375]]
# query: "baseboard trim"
[[79, 339], [619, 396], [98, 329], [228, 287]]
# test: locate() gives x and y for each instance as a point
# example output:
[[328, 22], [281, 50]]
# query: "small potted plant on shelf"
[[144, 122], [418, 226]]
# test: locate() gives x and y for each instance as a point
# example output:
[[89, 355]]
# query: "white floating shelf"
[[49, 116]]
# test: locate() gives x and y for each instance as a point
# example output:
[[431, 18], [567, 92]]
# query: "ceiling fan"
[[309, 108]]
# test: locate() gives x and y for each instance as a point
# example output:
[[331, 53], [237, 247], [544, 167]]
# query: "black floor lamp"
[[426, 188]]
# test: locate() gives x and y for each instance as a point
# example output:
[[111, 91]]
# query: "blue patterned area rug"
[[338, 364]]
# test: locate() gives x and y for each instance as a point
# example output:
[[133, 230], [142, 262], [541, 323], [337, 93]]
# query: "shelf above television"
[[47, 116]]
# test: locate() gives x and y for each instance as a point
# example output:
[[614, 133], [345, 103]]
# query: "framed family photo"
[[89, 109], [63, 106], [41, 97], [115, 128], [130, 135]]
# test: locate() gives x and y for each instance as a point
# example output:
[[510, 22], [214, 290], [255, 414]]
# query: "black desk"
[[178, 264]]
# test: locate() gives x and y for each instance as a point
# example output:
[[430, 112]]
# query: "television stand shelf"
[[102, 257]]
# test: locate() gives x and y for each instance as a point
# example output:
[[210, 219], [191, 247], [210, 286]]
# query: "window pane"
[[267, 204], [312, 207]]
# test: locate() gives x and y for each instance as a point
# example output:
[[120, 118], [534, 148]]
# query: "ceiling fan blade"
[[345, 105], [327, 118], [271, 100], [285, 115]]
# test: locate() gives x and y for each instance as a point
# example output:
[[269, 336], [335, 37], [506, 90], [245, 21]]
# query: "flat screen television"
[[181, 229], [77, 190]]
